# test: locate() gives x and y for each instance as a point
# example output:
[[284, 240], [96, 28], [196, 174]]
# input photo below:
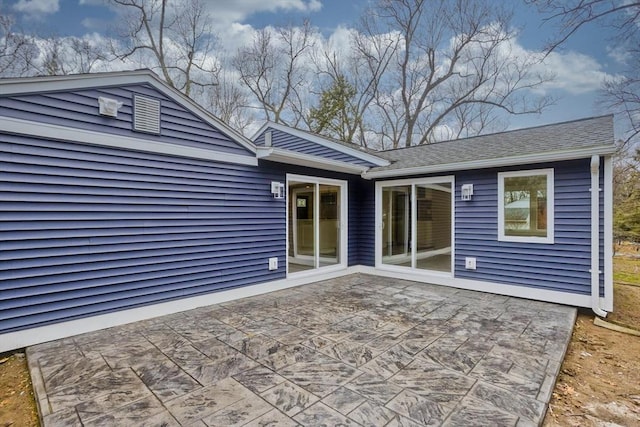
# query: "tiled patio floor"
[[359, 350]]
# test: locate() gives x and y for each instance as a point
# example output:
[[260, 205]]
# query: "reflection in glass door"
[[396, 223], [329, 225], [316, 235], [417, 225]]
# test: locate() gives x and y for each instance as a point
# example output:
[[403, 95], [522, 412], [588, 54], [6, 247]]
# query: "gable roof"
[[362, 153], [26, 85], [555, 142]]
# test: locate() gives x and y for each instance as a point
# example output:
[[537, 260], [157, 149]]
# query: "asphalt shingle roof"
[[574, 135]]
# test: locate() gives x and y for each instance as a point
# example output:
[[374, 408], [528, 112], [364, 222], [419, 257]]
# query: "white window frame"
[[549, 238]]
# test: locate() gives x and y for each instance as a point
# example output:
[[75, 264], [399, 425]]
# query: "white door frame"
[[343, 223], [412, 182]]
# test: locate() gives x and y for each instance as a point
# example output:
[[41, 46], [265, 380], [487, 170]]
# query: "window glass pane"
[[301, 226], [396, 225], [329, 223], [525, 206], [433, 226]]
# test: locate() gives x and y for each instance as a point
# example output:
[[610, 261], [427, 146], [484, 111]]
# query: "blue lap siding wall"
[[79, 109], [561, 266], [280, 139], [86, 230]]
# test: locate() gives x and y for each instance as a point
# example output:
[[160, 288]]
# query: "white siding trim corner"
[[607, 304]]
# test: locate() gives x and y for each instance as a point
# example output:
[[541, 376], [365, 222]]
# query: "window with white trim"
[[525, 206]]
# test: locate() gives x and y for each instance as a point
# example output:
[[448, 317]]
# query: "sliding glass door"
[[415, 219], [316, 223]]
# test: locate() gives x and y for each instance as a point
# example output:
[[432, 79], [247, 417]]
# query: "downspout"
[[595, 237]]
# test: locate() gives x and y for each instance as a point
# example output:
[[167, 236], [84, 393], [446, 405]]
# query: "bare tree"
[[230, 102], [68, 55], [621, 93], [273, 69], [353, 77], [17, 51], [176, 39], [569, 16], [453, 64]]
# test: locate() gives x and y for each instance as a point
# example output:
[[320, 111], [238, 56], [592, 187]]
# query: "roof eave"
[[492, 163], [378, 161], [299, 159]]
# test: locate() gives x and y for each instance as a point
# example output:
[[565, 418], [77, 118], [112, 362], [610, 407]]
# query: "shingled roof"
[[560, 141]]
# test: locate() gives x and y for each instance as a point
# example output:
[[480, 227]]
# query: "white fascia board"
[[554, 156], [56, 132], [294, 158], [378, 161], [262, 129], [115, 79]]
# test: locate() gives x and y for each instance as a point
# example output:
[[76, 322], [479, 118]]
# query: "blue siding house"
[[121, 199]]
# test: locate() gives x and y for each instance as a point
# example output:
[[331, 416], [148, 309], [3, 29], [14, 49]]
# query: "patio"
[[359, 350]]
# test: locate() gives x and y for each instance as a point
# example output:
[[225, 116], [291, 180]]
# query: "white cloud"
[[37, 7], [620, 54], [234, 11], [576, 73]]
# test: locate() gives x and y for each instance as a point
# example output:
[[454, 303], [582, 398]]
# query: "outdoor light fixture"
[[466, 191], [277, 189]]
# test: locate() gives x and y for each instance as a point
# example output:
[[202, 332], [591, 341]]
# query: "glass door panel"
[[329, 225], [302, 247], [396, 225], [433, 226]]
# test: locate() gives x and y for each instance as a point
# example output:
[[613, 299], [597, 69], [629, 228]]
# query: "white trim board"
[[56, 132], [40, 334], [281, 155], [317, 139], [553, 156], [26, 85], [516, 291]]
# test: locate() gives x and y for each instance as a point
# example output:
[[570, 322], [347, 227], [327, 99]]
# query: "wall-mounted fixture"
[[109, 107], [466, 191], [277, 189]]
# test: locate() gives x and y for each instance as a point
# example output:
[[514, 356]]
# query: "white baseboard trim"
[[37, 335], [481, 286], [40, 334]]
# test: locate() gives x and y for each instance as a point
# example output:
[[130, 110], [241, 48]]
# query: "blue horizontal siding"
[[287, 141], [561, 266], [86, 230], [79, 109]]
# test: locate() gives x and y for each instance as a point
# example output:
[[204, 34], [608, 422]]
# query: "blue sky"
[[580, 65]]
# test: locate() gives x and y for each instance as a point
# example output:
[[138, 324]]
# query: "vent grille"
[[146, 114]]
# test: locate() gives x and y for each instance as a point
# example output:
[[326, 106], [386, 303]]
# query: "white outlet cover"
[[273, 263], [470, 263]]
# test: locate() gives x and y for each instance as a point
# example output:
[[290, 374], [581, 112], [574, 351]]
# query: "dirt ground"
[[598, 385], [17, 406], [599, 381]]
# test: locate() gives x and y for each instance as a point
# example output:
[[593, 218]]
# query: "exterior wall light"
[[466, 191], [277, 190]]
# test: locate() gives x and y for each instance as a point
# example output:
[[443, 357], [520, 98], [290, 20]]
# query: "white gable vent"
[[146, 114]]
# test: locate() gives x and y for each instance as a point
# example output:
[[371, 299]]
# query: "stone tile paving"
[[356, 351]]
